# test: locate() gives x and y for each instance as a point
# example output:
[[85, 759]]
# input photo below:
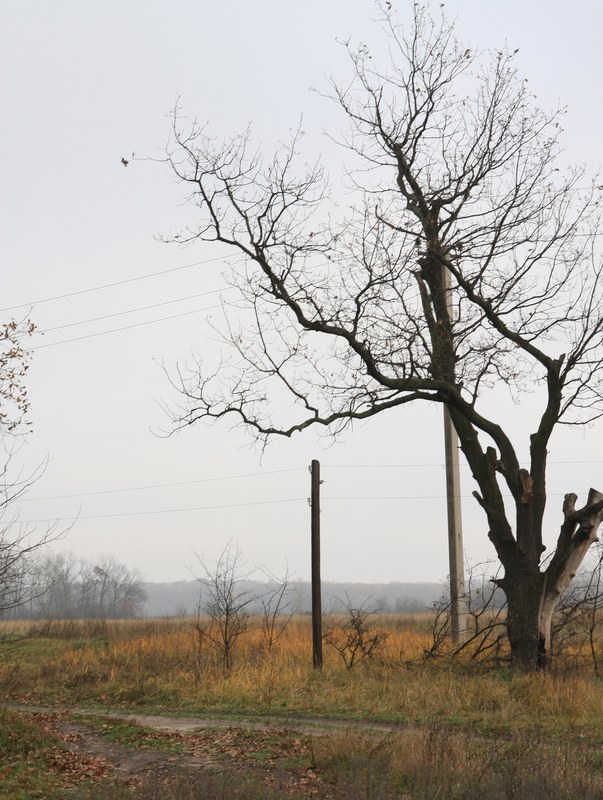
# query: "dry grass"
[[440, 763], [159, 664], [455, 733], [423, 765]]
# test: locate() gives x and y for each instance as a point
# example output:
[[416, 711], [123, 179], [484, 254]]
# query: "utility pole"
[[458, 614], [458, 622], [315, 555]]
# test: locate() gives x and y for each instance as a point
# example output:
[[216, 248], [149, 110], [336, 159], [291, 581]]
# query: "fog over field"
[[182, 597]]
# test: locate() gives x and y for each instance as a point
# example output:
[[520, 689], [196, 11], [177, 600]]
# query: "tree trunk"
[[578, 532], [546, 623], [532, 595], [524, 589]]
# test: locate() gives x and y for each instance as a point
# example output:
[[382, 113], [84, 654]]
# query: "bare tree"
[[126, 591], [469, 259], [56, 576], [223, 616], [577, 623]]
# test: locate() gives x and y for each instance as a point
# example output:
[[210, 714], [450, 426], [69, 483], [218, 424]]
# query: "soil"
[[206, 747]]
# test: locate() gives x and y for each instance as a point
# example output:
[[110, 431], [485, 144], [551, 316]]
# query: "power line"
[[143, 487], [439, 464], [377, 466], [420, 497], [127, 327], [165, 272], [125, 281], [76, 518], [115, 283], [161, 319], [396, 497], [140, 324], [575, 462], [163, 511], [164, 485], [133, 310]]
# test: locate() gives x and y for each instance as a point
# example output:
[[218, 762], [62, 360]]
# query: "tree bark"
[[524, 589], [578, 532], [532, 595]]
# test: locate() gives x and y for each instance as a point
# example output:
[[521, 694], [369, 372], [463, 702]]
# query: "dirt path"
[[310, 725], [185, 724], [88, 754], [179, 756]]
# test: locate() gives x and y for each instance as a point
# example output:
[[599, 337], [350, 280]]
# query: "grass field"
[[453, 731]]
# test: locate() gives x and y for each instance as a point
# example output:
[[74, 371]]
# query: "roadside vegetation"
[[441, 726], [413, 726], [162, 665]]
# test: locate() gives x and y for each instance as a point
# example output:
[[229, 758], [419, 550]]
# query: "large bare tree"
[[469, 259]]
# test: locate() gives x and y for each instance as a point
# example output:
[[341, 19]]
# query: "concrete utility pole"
[[458, 614], [458, 621], [315, 550]]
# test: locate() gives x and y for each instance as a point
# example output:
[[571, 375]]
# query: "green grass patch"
[[129, 733], [26, 760]]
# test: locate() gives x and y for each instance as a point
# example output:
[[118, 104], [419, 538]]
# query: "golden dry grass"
[[159, 664], [455, 732]]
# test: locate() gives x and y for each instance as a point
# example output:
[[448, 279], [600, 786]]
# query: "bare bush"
[[577, 628], [578, 621], [356, 639], [484, 641]]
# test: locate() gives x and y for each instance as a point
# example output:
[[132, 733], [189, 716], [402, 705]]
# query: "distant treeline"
[[62, 586]]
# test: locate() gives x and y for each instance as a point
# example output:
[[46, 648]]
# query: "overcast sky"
[[85, 84]]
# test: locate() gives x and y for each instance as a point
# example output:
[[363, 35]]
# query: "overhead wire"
[[127, 327], [133, 310], [111, 285], [129, 280], [438, 464], [324, 498], [165, 485], [77, 517], [166, 271], [239, 476]]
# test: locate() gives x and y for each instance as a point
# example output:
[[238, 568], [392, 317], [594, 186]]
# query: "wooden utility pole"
[[315, 550], [458, 614]]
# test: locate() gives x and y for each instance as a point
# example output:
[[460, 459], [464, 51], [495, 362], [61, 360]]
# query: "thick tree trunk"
[[578, 532], [532, 595], [524, 589]]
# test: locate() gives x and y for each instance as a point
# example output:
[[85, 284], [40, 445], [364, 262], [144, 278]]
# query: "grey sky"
[[84, 84]]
